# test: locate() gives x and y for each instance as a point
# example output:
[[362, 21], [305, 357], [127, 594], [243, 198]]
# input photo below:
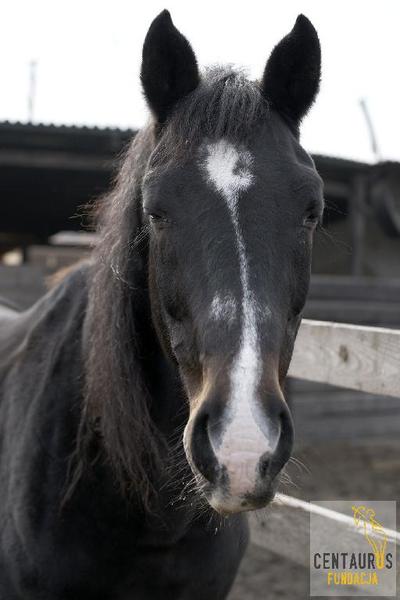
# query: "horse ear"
[[293, 71], [169, 67]]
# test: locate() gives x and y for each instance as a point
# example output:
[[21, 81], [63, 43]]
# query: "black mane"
[[117, 403]]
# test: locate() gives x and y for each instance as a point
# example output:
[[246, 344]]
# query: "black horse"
[[169, 348]]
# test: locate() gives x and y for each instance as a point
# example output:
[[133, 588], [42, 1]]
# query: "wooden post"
[[357, 216]]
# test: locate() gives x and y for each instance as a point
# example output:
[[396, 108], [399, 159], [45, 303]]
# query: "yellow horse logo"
[[374, 533]]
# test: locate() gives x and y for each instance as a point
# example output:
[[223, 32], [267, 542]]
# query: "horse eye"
[[158, 219], [311, 220]]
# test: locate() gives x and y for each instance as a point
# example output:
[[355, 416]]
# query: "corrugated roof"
[[322, 161], [62, 128]]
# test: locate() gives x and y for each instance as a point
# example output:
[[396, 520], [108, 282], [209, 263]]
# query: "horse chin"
[[226, 505]]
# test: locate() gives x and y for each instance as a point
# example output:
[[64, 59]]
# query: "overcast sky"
[[88, 60]]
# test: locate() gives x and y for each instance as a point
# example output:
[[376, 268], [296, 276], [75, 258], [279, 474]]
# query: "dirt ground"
[[332, 471]]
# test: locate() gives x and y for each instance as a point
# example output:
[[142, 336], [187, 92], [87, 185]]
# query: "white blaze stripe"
[[243, 441], [223, 308]]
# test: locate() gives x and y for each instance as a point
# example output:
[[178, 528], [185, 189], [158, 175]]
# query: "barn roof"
[[108, 140]]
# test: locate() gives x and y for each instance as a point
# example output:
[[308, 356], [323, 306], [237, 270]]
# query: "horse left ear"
[[169, 68], [292, 75]]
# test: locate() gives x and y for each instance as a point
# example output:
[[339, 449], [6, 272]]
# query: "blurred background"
[[71, 101]]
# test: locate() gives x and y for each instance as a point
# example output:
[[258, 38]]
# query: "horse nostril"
[[285, 444], [271, 463], [202, 452], [264, 465]]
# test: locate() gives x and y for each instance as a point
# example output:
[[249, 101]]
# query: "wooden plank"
[[345, 287], [357, 312], [43, 159], [53, 258], [77, 239], [340, 414], [358, 223], [354, 357], [336, 189]]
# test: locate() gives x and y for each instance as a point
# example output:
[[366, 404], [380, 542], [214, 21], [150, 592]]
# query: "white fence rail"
[[360, 358], [350, 356]]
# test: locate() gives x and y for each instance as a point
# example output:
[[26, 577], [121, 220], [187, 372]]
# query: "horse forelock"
[[226, 104]]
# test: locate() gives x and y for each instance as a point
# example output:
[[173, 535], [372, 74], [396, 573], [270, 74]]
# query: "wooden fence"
[[351, 356]]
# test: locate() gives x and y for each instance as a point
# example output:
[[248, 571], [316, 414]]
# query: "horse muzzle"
[[237, 456]]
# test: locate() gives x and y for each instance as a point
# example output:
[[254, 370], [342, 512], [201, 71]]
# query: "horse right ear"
[[292, 75], [169, 67]]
